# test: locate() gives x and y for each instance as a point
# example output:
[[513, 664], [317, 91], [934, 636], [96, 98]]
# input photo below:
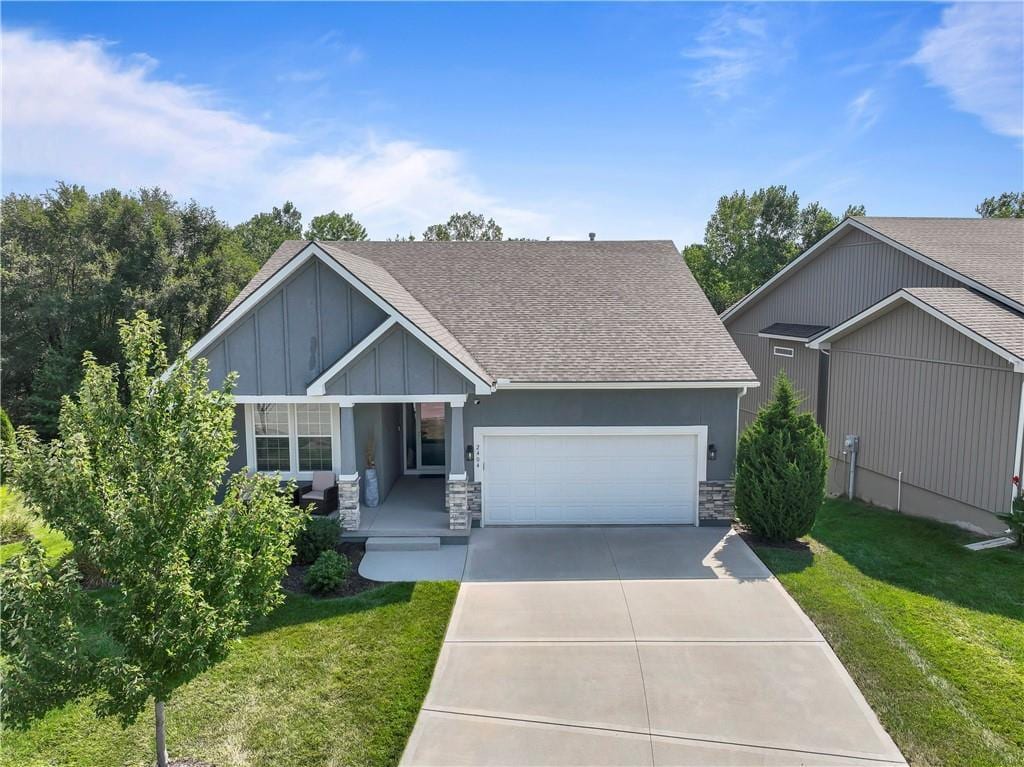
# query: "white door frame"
[[420, 468], [480, 434]]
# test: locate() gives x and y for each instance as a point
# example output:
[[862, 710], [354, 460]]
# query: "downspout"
[[1020, 440]]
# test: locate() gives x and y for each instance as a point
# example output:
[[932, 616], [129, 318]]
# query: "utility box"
[[851, 443]]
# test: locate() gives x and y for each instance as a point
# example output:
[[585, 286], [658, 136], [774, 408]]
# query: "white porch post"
[[348, 481]]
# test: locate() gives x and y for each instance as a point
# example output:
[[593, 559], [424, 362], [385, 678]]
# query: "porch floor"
[[415, 506]]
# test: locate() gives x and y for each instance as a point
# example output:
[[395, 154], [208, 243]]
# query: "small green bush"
[[8, 444], [16, 519], [328, 572], [781, 462], [320, 534]]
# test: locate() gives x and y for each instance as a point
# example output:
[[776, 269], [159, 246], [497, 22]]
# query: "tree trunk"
[[161, 741]]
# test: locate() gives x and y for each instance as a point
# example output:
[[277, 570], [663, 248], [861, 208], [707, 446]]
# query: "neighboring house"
[[907, 333], [543, 382]]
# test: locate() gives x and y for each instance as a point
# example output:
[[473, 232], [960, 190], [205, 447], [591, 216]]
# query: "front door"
[[424, 438]]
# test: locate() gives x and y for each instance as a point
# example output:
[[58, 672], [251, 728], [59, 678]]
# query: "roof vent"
[[592, 236]]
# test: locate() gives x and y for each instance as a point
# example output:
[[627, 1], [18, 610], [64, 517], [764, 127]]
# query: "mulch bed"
[[294, 579]]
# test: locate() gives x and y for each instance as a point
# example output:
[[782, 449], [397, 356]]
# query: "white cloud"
[[863, 110], [75, 111], [977, 55], [732, 49]]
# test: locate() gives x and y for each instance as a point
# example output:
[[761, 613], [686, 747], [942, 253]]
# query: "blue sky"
[[628, 120]]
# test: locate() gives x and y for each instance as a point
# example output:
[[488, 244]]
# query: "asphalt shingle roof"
[[548, 311], [1000, 325], [987, 250], [794, 330]]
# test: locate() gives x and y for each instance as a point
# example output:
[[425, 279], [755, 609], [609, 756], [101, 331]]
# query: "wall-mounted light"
[[469, 454], [712, 452]]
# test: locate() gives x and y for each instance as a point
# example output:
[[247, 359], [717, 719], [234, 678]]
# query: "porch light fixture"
[[469, 454], [712, 452]]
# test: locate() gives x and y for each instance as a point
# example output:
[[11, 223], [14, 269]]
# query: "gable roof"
[[546, 312], [997, 328], [986, 254]]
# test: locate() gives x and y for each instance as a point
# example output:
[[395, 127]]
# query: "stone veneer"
[[348, 503], [473, 493], [715, 502], [457, 503]]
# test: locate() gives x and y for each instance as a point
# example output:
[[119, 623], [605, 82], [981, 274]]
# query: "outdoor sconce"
[[469, 454], [712, 452]]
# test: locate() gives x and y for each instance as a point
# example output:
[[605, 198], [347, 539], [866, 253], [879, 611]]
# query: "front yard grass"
[[319, 682], [932, 633]]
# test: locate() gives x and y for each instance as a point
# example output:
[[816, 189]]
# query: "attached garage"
[[591, 475]]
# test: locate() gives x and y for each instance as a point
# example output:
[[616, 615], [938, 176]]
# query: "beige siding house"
[[909, 335]]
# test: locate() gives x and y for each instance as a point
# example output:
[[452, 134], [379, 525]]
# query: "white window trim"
[[784, 351], [480, 434], [293, 440]]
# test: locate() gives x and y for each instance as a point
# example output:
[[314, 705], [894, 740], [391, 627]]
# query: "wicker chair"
[[324, 493]]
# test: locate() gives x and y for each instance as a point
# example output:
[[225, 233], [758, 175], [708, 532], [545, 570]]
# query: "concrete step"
[[408, 543]]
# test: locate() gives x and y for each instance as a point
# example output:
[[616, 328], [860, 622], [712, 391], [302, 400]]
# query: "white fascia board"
[[481, 386], [319, 386], [824, 341], [608, 385], [844, 226], [348, 400], [314, 250]]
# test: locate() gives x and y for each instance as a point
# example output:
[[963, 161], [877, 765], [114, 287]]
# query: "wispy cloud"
[[731, 49], [77, 111], [863, 110], [977, 55]]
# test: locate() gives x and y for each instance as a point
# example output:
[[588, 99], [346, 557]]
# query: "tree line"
[[75, 263]]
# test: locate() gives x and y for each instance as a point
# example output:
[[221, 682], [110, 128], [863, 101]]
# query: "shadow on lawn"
[[301, 608], [917, 554]]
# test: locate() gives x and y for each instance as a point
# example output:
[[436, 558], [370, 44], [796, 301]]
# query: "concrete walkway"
[[635, 646]]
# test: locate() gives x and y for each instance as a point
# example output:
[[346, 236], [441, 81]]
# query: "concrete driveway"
[[635, 646]]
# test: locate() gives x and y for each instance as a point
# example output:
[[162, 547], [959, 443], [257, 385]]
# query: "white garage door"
[[584, 477]]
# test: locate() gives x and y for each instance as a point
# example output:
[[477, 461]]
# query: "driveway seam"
[[636, 647]]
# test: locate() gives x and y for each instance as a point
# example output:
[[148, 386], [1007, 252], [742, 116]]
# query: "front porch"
[[414, 507]]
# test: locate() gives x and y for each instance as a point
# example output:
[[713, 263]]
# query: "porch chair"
[[324, 493]]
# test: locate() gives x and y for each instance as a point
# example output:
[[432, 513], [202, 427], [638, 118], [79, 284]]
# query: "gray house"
[[514, 383], [907, 333]]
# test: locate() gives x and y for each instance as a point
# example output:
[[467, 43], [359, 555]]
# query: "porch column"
[[348, 480], [457, 488]]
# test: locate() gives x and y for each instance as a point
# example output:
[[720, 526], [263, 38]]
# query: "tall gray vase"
[[371, 489]]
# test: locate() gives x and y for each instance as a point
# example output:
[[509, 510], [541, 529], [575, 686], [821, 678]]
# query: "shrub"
[[8, 445], [781, 463], [15, 517], [320, 534], [328, 572]]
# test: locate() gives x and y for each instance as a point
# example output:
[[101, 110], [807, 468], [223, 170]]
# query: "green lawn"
[[320, 682], [932, 633]]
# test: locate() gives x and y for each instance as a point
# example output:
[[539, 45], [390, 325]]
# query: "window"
[[293, 438], [271, 436], [313, 428], [783, 351]]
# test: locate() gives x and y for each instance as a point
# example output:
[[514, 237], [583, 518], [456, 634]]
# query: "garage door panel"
[[590, 479]]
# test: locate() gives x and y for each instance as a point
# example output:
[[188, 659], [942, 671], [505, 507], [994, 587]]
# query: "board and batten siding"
[[294, 334], [397, 363], [841, 281], [927, 401]]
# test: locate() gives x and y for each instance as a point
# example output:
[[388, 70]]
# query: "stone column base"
[[715, 503], [473, 491], [457, 503], [348, 503]]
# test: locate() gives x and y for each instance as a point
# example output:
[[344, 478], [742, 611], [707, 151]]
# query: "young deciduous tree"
[[781, 462], [132, 482]]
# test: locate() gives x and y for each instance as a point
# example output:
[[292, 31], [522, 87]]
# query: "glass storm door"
[[424, 432]]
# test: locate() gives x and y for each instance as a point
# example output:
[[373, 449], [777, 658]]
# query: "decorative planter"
[[372, 490]]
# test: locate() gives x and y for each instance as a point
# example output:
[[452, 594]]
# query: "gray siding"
[[398, 364], [843, 280], [929, 402], [294, 334], [657, 407], [382, 424]]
